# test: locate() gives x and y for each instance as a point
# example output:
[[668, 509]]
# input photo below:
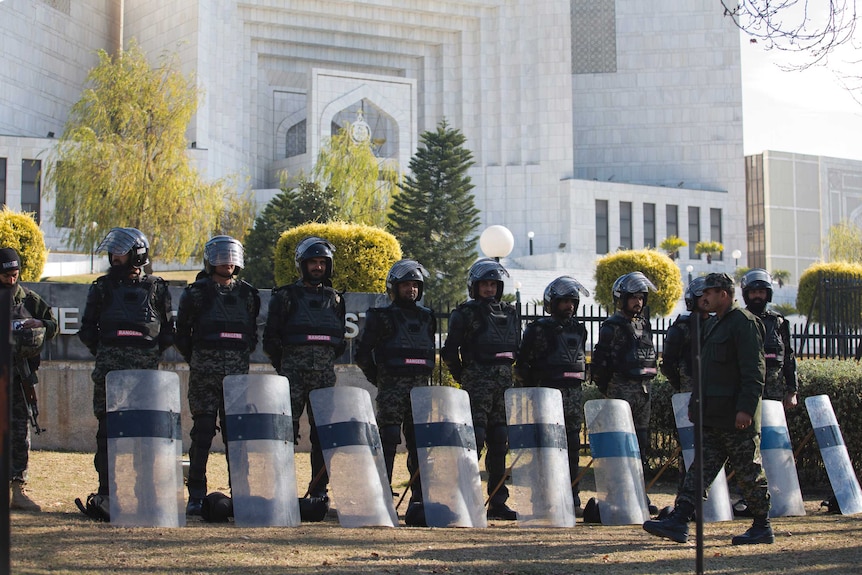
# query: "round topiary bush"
[[840, 272], [655, 265], [20, 232]]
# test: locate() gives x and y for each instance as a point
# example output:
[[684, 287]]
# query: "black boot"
[[759, 532], [674, 526]]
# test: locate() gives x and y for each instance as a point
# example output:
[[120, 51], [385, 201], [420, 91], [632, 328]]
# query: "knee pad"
[[203, 429], [480, 438], [498, 439], [390, 434]]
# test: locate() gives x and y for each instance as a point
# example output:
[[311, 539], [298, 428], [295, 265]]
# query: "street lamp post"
[[530, 235], [736, 254], [496, 242], [689, 268], [93, 226]]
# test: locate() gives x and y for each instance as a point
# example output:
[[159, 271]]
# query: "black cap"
[[9, 260]]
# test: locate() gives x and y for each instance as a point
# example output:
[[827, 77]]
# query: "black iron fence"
[[833, 326]]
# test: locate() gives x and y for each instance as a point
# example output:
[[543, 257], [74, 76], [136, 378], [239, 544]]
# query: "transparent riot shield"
[[448, 460], [538, 451], [259, 431], [778, 463], [620, 488], [145, 468], [353, 453], [717, 506], [845, 485]]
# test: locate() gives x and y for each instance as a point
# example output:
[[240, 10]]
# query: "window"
[[715, 229], [649, 225], [3, 181], [693, 230], [295, 140], [601, 227], [626, 225], [672, 220], [30, 193], [755, 213]]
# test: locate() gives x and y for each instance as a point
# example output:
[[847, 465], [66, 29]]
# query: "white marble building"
[[594, 124]]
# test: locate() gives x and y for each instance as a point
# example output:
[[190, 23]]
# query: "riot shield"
[[778, 463], [845, 485], [717, 506], [145, 467], [541, 483], [619, 473], [259, 431], [448, 460], [353, 453]]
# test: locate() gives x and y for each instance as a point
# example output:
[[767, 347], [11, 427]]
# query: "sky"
[[806, 112]]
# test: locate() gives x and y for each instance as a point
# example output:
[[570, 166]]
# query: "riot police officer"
[[33, 324], [304, 335], [216, 334], [127, 324], [781, 381], [676, 357], [396, 353], [479, 352], [552, 354], [624, 359]]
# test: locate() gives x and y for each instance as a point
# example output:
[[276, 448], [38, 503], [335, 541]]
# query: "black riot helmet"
[[313, 247], [223, 250], [486, 269], [403, 271], [631, 283], [758, 278], [563, 287], [122, 241], [693, 291]]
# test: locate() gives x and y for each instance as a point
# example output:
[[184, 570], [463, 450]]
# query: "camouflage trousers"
[[112, 358], [19, 431], [394, 413], [302, 382], [637, 394], [486, 385], [207, 370], [740, 449], [573, 412], [776, 386]]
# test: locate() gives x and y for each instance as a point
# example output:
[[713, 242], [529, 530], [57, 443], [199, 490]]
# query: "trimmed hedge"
[[363, 255], [811, 279], [21, 232], [655, 265]]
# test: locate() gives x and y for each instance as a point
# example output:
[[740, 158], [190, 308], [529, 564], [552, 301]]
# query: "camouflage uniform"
[[676, 357], [733, 376], [25, 304], [307, 366], [485, 374], [395, 366], [623, 367], [210, 361], [110, 355], [541, 338]]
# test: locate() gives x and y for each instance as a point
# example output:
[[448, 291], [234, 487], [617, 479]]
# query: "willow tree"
[[363, 183], [122, 161]]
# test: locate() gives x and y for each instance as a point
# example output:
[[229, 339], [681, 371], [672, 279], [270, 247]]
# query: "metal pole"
[[5, 439], [696, 398]]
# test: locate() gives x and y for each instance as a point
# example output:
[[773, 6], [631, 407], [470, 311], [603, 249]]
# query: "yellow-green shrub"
[[20, 232], [655, 265], [811, 278], [363, 255]]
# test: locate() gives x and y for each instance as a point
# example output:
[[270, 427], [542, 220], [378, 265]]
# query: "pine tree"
[[292, 207], [435, 217]]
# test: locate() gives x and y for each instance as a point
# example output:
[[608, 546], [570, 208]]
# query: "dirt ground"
[[62, 540]]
